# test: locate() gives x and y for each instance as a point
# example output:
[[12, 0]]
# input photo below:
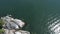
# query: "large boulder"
[[12, 23]]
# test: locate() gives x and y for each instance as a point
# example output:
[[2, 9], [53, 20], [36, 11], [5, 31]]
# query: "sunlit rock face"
[[13, 26], [7, 31], [11, 22], [54, 24], [22, 32]]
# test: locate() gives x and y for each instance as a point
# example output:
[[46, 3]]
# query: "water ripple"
[[54, 24]]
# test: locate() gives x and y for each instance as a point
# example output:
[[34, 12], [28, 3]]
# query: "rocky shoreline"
[[13, 26]]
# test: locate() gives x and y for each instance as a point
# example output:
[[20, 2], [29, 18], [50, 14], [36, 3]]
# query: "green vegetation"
[[1, 30], [1, 23]]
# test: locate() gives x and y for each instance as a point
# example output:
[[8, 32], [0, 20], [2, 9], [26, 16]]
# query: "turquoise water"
[[34, 12]]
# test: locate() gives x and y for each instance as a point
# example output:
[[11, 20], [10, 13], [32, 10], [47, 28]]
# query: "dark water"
[[34, 12]]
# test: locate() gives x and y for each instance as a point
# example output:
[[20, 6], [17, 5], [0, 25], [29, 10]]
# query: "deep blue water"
[[33, 12]]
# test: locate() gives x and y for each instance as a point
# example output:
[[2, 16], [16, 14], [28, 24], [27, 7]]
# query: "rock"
[[22, 32], [19, 22], [12, 26], [18, 32], [7, 31], [11, 22]]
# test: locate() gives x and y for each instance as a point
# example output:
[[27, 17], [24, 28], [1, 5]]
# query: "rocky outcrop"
[[7, 31], [13, 26]]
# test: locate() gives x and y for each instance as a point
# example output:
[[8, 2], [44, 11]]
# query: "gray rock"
[[12, 25], [7, 31], [11, 22], [22, 32]]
